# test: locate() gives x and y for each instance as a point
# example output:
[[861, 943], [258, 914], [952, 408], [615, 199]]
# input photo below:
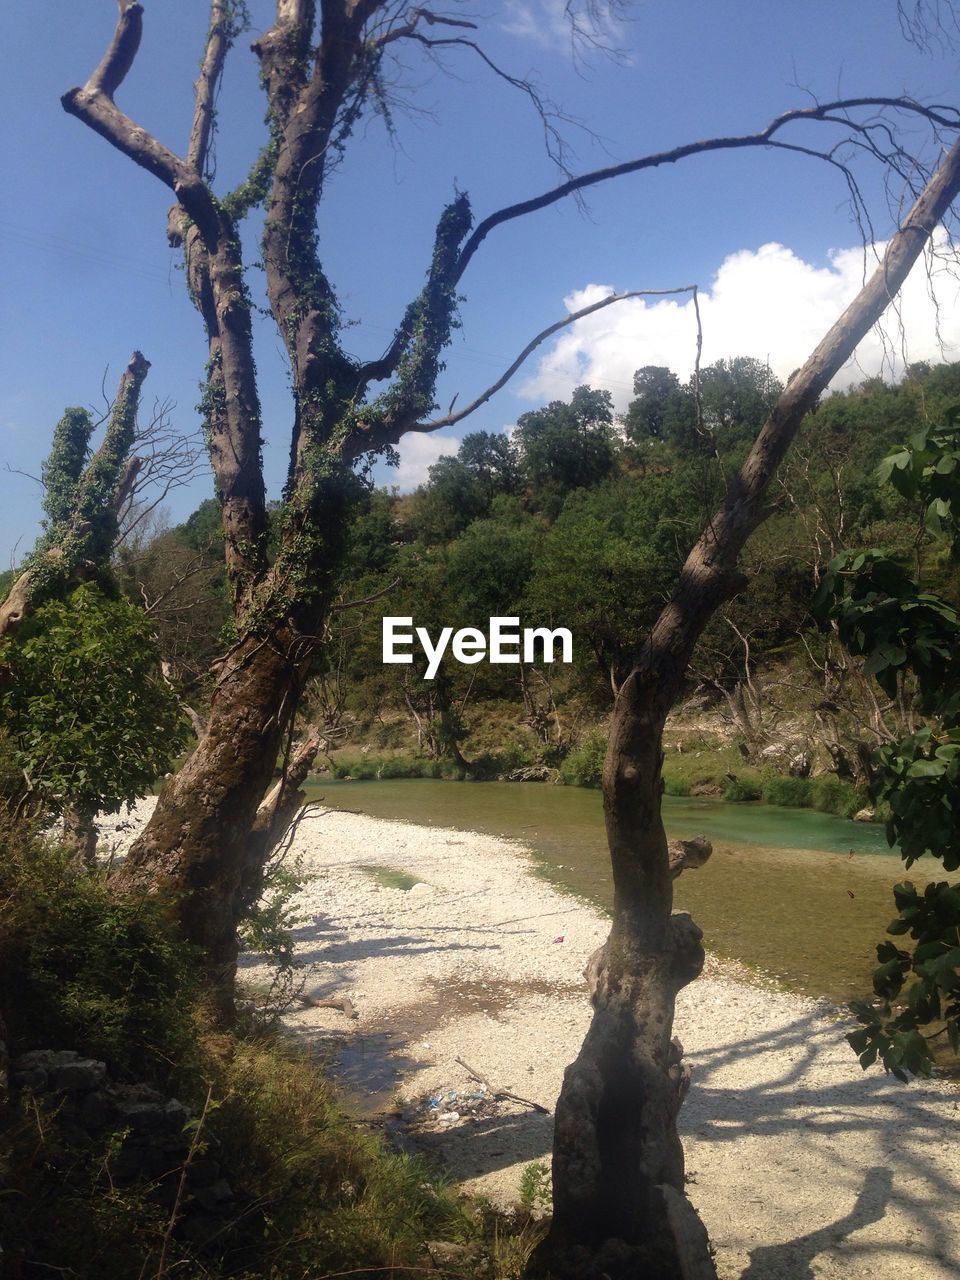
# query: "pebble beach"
[[464, 969]]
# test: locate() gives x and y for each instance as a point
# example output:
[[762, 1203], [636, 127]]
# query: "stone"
[[448, 1256], [865, 815], [79, 1076], [96, 1112], [800, 765], [706, 789], [690, 1237], [218, 1197], [202, 1171]]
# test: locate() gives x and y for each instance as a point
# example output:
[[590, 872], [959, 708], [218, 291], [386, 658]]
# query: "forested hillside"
[[579, 518]]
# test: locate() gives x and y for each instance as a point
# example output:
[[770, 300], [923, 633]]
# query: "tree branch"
[[205, 89], [94, 105], [940, 118], [541, 337], [709, 574], [81, 502]]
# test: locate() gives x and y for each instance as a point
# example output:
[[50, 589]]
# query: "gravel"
[[800, 1164]]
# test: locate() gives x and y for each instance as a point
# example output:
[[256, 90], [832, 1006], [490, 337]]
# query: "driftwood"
[[687, 855], [501, 1093], [345, 1004]]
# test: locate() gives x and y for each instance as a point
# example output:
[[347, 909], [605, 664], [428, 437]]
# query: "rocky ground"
[[800, 1164]]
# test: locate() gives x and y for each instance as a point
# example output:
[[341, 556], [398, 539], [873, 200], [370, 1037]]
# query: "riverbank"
[[800, 1164]]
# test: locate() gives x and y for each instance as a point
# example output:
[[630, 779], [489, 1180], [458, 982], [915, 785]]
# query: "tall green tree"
[[566, 445]]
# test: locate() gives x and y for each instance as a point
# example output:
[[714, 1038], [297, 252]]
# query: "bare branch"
[[118, 59], [211, 71], [215, 275], [94, 105], [939, 118], [343, 605], [541, 337]]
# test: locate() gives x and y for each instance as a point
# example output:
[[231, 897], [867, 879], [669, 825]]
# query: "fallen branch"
[[345, 1005], [501, 1093]]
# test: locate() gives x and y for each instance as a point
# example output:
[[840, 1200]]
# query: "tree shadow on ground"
[[485, 1145], [809, 1098], [793, 1258]]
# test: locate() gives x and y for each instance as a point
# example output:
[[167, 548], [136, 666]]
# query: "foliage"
[[583, 767], [566, 446], [794, 793], [911, 635], [268, 926], [107, 975], [83, 968], [92, 723], [535, 1192], [742, 790]]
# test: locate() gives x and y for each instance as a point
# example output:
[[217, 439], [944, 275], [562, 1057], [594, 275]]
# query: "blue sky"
[[87, 275]]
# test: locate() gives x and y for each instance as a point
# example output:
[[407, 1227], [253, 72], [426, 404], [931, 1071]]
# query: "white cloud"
[[560, 26], [766, 303], [418, 452]]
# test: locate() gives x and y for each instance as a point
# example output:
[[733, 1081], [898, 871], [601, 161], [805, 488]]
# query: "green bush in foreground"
[[82, 968], [91, 721]]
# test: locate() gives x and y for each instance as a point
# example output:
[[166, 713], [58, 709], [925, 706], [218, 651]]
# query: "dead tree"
[[618, 1164]]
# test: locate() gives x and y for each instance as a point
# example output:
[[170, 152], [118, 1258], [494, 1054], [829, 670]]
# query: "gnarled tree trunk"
[[196, 843]]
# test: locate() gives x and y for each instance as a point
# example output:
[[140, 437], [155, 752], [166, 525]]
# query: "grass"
[[391, 877]]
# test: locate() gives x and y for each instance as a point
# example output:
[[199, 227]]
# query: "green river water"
[[800, 895]]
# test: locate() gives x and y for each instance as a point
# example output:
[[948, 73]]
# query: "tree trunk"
[[616, 1150], [195, 844], [80, 832]]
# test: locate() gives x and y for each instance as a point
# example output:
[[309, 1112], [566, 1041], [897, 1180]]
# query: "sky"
[[768, 238]]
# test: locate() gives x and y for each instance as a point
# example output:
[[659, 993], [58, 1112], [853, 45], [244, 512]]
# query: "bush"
[[86, 969], [739, 790], [833, 795], [676, 786], [90, 718], [315, 1193], [583, 767], [793, 793]]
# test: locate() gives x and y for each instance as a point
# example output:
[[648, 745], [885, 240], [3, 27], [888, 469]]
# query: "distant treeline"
[[580, 518]]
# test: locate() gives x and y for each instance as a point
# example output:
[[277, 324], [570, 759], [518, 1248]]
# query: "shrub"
[[833, 795], [676, 786], [739, 790], [794, 793], [84, 968], [90, 718], [583, 767]]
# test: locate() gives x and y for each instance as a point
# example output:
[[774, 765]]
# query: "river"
[[800, 895]]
